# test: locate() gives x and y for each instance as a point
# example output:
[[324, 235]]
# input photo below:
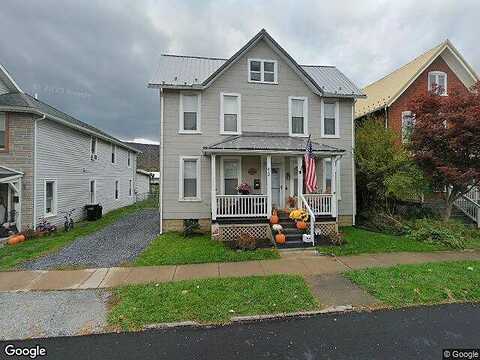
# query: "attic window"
[[437, 80], [262, 71]]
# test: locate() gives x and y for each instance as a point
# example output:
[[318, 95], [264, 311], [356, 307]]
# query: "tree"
[[384, 168], [446, 141]]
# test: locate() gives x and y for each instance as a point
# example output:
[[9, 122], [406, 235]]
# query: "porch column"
[[334, 186], [300, 180], [214, 186], [269, 186]]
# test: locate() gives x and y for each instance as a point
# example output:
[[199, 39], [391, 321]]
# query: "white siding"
[[264, 108], [63, 154], [142, 184]]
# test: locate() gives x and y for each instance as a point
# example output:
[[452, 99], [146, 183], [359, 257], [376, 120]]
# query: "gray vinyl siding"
[[63, 154], [264, 108], [142, 184], [3, 88]]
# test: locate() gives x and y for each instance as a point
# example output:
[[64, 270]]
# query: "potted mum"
[[301, 217], [244, 189]]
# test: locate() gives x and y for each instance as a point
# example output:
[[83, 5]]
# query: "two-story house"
[[51, 163], [442, 68], [247, 119]]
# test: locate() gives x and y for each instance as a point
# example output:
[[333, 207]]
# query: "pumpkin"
[[15, 239], [274, 218], [301, 225], [280, 238]]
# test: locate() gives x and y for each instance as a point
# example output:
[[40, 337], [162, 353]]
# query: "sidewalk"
[[291, 263]]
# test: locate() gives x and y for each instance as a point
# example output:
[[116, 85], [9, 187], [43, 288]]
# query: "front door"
[[276, 187]]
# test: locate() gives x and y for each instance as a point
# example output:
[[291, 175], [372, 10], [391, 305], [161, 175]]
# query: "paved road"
[[113, 245], [418, 333]]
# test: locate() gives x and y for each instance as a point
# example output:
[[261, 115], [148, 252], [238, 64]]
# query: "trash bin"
[[94, 212]]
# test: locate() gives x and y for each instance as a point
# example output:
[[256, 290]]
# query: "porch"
[[271, 168], [10, 201]]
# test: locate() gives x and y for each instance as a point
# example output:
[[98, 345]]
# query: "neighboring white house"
[[142, 183], [247, 119], [51, 163]]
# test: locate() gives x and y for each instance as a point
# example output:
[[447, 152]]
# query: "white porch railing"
[[241, 206], [469, 204], [305, 205], [321, 204]]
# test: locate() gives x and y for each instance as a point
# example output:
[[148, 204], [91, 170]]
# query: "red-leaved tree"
[[446, 141]]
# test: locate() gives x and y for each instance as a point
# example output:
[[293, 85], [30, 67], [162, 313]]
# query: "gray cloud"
[[93, 59]]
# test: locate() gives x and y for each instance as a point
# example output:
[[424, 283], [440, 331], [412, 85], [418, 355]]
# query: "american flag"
[[310, 173]]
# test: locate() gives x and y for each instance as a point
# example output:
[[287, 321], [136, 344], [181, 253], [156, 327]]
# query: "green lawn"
[[209, 300], [430, 283], [173, 249], [12, 256], [359, 241]]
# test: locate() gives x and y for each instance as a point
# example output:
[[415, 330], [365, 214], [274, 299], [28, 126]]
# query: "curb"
[[251, 318]]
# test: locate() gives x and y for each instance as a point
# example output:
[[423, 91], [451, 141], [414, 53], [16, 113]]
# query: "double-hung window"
[[114, 153], [50, 208], [93, 192], [230, 113], [116, 189], [189, 184], [327, 178], [129, 159], [408, 123], [3, 131], [298, 116], [93, 148], [262, 71], [437, 80], [190, 105], [130, 190], [231, 175], [330, 119]]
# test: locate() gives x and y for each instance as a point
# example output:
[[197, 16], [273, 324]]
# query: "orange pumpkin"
[[274, 218], [301, 225], [280, 238], [15, 239]]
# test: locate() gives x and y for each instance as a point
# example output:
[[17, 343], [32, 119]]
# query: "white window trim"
[[305, 115], [338, 185], [436, 73], [239, 115], [55, 198], [114, 189], [337, 120], [293, 174], [94, 190], [402, 120], [181, 129], [114, 151], [262, 72], [93, 155], [180, 179], [222, 171]]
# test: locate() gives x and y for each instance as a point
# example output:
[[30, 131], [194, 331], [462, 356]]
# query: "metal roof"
[[261, 141], [197, 72], [29, 103]]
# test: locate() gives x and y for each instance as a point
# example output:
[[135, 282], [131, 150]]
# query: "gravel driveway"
[[52, 313], [113, 245]]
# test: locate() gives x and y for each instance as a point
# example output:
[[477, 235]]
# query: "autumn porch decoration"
[[279, 236], [274, 219], [301, 217]]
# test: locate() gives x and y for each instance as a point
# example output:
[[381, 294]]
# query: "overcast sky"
[[93, 59]]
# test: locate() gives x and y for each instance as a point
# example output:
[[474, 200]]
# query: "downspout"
[[160, 178], [354, 183], [35, 170], [386, 116]]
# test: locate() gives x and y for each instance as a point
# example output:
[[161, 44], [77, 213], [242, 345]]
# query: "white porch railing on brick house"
[[241, 206]]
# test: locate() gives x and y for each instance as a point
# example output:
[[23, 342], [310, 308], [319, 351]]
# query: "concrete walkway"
[[302, 263]]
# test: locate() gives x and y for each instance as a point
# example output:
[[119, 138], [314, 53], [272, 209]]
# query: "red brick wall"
[[419, 87]]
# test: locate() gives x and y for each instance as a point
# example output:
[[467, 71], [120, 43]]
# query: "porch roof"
[[268, 142], [7, 174]]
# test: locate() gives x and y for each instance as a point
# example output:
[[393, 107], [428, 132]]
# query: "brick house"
[[389, 97]]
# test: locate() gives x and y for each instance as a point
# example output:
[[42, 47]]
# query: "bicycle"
[[68, 224]]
